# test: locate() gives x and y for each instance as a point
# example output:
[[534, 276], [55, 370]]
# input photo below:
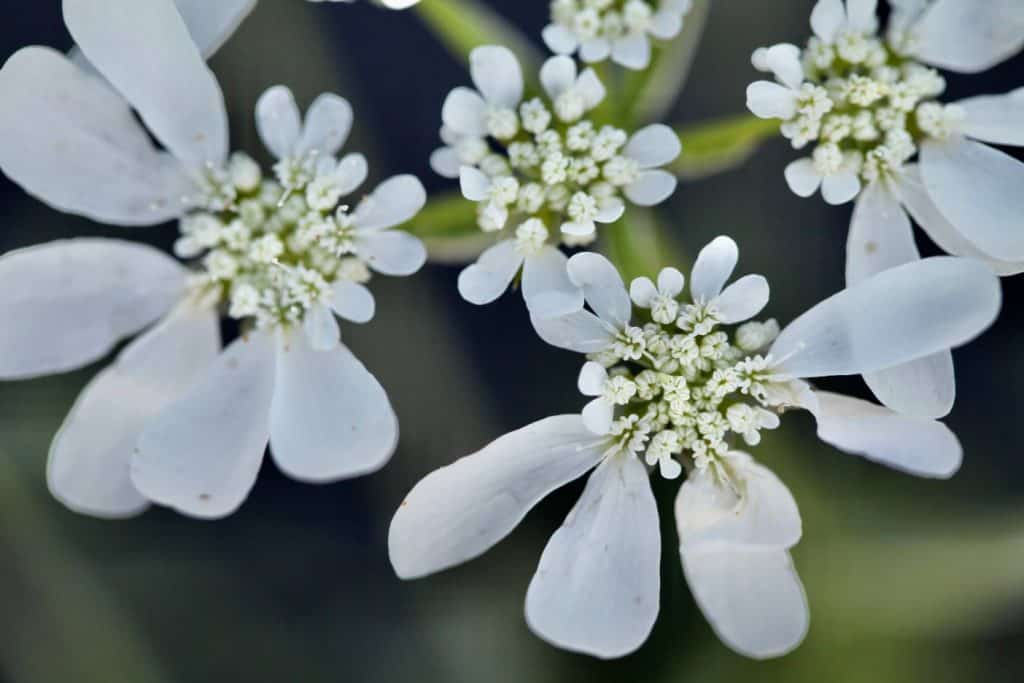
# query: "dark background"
[[909, 580]]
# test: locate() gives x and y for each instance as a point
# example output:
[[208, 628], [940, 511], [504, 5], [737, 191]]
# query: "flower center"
[[605, 19], [269, 250]]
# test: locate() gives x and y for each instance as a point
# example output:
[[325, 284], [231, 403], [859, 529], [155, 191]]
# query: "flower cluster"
[[539, 167], [283, 252], [683, 393], [865, 100], [619, 29]]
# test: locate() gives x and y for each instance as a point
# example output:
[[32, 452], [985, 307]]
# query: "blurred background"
[[908, 580]]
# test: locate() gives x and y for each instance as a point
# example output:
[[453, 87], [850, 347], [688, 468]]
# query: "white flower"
[[885, 116], [561, 168], [190, 424], [620, 29], [596, 589], [390, 4]]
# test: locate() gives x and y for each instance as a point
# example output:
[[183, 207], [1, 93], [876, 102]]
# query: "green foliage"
[[721, 145]]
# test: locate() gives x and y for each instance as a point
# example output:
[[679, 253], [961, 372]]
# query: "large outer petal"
[[900, 315], [144, 49], [969, 36], [330, 418], [201, 455], [497, 75], [881, 237], [70, 141], [460, 511], [602, 286], [582, 332], [713, 268], [753, 598], [597, 585], [998, 119], [915, 445], [67, 303], [977, 188], [89, 461], [547, 289], [910, 189]]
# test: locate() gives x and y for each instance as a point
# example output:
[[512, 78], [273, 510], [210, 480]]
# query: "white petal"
[[632, 51], [321, 328], [840, 188], [330, 419], [597, 586], [67, 303], [598, 415], [803, 178], [743, 299], [880, 237], [752, 598], [652, 146], [497, 75], [488, 278], [392, 252], [278, 122], [611, 211], [590, 88], [827, 18], [353, 301], [969, 37], [327, 125], [445, 162], [460, 511], [592, 378], [547, 289], [211, 23], [783, 60], [395, 201], [666, 24], [595, 50], [474, 183], [558, 75], [465, 112], [910, 189], [559, 39], [977, 188], [998, 119], [70, 141], [900, 315], [769, 100], [582, 332], [713, 268], [88, 468], [350, 173], [861, 15], [922, 388], [602, 286], [642, 292], [652, 187], [578, 229], [146, 52], [916, 445], [201, 455], [670, 282], [710, 513]]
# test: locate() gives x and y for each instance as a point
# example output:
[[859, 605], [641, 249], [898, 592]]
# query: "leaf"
[[721, 145], [447, 225], [462, 25], [661, 84]]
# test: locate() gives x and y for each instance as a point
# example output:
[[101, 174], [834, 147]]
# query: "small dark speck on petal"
[[871, 247], [204, 497]]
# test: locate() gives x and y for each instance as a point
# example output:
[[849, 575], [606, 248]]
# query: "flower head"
[[619, 29], [282, 254], [689, 392], [542, 170]]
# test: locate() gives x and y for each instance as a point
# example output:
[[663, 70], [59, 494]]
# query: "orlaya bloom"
[[867, 102], [189, 425], [677, 390], [543, 171], [620, 29]]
